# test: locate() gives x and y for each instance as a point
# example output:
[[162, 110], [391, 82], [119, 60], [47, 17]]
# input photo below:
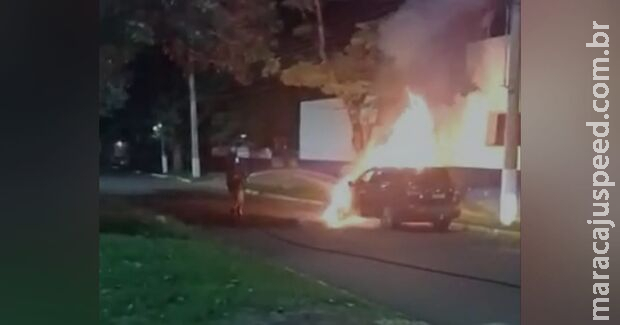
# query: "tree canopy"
[[232, 36], [349, 75]]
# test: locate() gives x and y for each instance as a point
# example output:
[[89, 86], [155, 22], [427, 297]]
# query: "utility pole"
[[164, 157], [509, 197], [320, 30], [193, 123], [159, 132]]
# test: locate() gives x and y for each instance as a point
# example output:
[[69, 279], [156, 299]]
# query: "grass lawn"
[[152, 273]]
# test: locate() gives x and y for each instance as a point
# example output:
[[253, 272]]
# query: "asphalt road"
[[387, 267]]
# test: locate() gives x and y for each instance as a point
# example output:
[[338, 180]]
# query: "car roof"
[[407, 172], [408, 169]]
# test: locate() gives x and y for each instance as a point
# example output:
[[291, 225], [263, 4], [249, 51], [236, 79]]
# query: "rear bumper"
[[429, 213]]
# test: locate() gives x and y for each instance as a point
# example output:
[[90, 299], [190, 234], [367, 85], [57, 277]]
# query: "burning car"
[[397, 195]]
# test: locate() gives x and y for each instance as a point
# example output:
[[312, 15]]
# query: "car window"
[[373, 176], [367, 176], [385, 177], [377, 176], [431, 177]]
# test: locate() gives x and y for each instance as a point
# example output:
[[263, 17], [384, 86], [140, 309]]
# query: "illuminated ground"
[[383, 266]]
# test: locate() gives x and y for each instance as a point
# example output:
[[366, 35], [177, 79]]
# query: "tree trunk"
[[358, 137], [321, 29], [193, 124], [204, 125], [177, 156]]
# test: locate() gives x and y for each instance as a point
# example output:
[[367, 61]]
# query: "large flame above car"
[[411, 143], [417, 141]]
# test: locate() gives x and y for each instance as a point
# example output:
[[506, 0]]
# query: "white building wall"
[[325, 132]]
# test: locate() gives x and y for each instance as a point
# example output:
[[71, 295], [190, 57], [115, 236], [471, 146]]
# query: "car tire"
[[388, 221], [442, 225]]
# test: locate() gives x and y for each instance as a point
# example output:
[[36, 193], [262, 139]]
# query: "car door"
[[374, 194], [363, 192]]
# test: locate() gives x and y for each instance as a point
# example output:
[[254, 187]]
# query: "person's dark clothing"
[[235, 179], [235, 174]]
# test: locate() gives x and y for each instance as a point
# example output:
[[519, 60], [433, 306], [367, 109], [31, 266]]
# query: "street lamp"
[[158, 132]]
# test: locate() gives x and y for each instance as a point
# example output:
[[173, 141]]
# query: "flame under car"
[[399, 195]]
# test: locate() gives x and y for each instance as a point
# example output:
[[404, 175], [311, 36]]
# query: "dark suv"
[[396, 195]]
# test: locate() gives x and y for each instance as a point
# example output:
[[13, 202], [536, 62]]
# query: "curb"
[[491, 230], [168, 176], [184, 180]]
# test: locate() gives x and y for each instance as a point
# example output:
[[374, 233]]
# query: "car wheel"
[[388, 220], [442, 225]]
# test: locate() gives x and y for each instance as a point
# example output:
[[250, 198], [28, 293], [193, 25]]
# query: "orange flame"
[[412, 143], [417, 140]]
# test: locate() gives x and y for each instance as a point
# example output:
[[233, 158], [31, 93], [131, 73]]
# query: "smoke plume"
[[427, 41]]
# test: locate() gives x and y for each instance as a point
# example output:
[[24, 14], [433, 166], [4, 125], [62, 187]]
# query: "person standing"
[[235, 181]]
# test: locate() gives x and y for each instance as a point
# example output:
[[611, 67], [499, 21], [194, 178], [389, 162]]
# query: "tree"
[[314, 7], [230, 36], [349, 75], [123, 34], [167, 110], [115, 51]]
